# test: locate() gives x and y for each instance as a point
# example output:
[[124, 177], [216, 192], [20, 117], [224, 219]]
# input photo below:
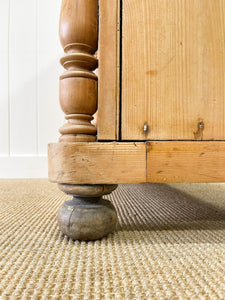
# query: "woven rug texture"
[[169, 244]]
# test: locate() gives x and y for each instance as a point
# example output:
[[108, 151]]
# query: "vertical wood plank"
[[109, 52], [22, 68], [50, 116], [173, 69], [4, 112]]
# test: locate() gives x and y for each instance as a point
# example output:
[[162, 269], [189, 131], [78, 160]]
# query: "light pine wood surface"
[[185, 161], [78, 32], [109, 70], [173, 62], [96, 163], [110, 163]]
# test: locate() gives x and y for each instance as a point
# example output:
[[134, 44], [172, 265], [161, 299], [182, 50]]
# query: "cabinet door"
[[173, 70]]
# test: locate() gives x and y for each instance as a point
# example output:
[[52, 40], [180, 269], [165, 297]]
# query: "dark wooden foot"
[[87, 216]]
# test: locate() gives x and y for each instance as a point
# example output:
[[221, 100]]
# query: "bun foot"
[[87, 218]]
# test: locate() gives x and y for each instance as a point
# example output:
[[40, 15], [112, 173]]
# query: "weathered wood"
[[87, 216], [173, 70], [97, 163], [109, 67], [185, 161], [88, 163], [87, 190]]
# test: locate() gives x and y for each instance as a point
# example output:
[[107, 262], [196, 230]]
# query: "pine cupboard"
[[159, 97]]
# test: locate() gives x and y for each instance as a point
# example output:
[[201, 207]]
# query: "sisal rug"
[[169, 244]]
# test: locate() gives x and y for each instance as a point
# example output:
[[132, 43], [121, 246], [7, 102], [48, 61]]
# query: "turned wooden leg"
[[87, 216]]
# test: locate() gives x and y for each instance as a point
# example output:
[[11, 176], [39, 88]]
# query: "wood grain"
[[96, 163], [173, 69], [108, 97], [156, 161], [78, 31], [185, 161]]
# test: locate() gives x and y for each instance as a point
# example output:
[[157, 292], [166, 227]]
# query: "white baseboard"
[[24, 167]]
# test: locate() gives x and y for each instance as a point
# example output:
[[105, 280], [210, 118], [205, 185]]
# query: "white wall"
[[30, 114]]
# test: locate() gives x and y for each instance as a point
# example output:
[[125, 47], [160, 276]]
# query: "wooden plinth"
[[96, 163]]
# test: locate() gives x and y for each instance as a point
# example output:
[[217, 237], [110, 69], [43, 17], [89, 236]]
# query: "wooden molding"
[[110, 163]]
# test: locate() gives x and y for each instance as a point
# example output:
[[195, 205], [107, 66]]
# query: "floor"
[[169, 244]]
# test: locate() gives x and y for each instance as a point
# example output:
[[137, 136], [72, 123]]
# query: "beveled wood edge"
[[137, 162], [109, 70]]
